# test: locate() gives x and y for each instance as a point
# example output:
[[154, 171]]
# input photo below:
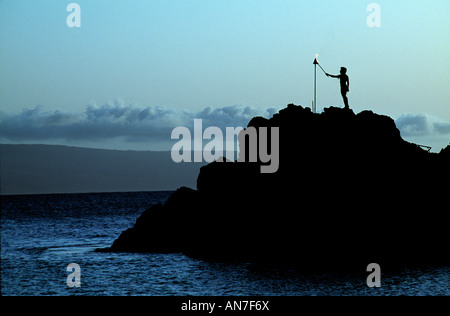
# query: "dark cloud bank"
[[421, 125], [117, 121], [153, 125]]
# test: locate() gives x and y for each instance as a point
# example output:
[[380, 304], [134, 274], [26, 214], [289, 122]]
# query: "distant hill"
[[39, 169]]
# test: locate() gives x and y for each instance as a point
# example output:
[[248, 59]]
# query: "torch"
[[316, 62]]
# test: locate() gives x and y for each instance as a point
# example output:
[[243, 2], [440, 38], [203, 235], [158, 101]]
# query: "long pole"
[[316, 62], [315, 84]]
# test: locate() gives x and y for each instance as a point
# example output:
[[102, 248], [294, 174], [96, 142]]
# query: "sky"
[[136, 69]]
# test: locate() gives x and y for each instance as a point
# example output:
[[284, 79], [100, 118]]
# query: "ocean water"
[[42, 234]]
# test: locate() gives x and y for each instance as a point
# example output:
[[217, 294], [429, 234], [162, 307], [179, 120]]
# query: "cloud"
[[114, 120], [116, 125], [422, 125]]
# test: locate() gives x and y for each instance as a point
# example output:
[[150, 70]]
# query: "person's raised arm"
[[332, 76]]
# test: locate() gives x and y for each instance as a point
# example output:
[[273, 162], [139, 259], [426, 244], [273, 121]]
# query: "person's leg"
[[344, 96]]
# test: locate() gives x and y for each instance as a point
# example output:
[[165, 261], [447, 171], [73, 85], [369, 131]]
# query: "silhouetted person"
[[345, 84]]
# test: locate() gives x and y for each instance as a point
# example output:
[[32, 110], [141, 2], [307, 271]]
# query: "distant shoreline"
[[80, 193]]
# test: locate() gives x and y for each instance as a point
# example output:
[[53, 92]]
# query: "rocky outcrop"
[[349, 190]]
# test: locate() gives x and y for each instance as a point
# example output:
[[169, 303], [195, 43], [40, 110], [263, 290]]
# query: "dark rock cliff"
[[348, 191]]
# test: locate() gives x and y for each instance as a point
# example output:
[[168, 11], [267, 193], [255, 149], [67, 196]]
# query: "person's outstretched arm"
[[332, 76]]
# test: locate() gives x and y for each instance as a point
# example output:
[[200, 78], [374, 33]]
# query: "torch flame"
[[316, 61]]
